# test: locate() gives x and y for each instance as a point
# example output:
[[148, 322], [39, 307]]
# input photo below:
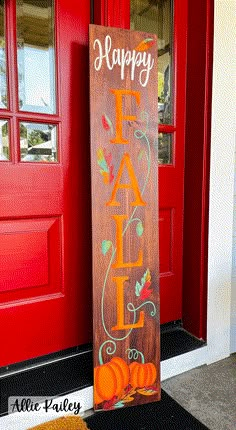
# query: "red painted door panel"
[[45, 243]]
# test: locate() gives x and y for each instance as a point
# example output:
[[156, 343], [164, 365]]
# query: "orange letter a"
[[126, 161]]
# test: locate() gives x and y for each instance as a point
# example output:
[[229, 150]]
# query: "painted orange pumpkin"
[[142, 375], [110, 379]]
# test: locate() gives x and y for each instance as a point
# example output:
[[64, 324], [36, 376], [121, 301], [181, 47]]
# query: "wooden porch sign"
[[124, 106]]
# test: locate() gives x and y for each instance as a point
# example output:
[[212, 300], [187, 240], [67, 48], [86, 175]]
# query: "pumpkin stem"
[[133, 354], [142, 358]]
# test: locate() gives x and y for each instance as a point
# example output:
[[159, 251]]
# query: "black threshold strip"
[[176, 341], [68, 371]]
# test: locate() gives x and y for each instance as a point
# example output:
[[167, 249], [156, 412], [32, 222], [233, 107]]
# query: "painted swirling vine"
[[140, 135]]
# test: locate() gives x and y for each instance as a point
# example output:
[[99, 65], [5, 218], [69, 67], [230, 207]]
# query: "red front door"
[[168, 19], [45, 268]]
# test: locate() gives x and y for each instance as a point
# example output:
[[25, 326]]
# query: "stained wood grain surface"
[[124, 106]]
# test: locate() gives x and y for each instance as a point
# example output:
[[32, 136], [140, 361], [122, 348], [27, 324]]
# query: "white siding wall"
[[222, 181], [233, 293]]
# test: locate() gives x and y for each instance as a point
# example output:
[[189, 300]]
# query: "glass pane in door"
[[4, 141], [38, 142], [36, 55], [156, 16], [165, 143], [3, 79]]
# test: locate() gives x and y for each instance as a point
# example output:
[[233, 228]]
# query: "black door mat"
[[164, 415]]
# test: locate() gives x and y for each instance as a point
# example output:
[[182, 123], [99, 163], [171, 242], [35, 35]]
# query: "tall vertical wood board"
[[124, 166]]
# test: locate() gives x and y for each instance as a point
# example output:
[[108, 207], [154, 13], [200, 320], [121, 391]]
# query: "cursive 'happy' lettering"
[[123, 58]]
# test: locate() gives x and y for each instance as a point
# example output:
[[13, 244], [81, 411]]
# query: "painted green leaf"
[[119, 405], [138, 289], [146, 277], [142, 289], [106, 244], [140, 155], [139, 228]]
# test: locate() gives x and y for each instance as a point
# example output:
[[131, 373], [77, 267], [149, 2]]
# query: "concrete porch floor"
[[208, 393]]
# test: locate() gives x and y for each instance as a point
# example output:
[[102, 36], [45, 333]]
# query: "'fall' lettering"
[[120, 280], [119, 263], [133, 184], [119, 113]]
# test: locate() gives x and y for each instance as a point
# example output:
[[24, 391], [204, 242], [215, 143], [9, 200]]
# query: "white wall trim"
[[222, 172]]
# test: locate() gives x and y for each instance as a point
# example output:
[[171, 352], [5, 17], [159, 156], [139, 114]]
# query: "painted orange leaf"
[[119, 402], [145, 44], [128, 397], [147, 392], [105, 163]]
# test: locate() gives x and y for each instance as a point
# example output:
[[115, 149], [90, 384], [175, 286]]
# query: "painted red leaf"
[[106, 122], [111, 176], [146, 291], [128, 388], [152, 387], [110, 403], [108, 158]]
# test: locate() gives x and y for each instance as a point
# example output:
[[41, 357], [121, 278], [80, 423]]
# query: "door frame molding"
[[197, 166], [113, 13]]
